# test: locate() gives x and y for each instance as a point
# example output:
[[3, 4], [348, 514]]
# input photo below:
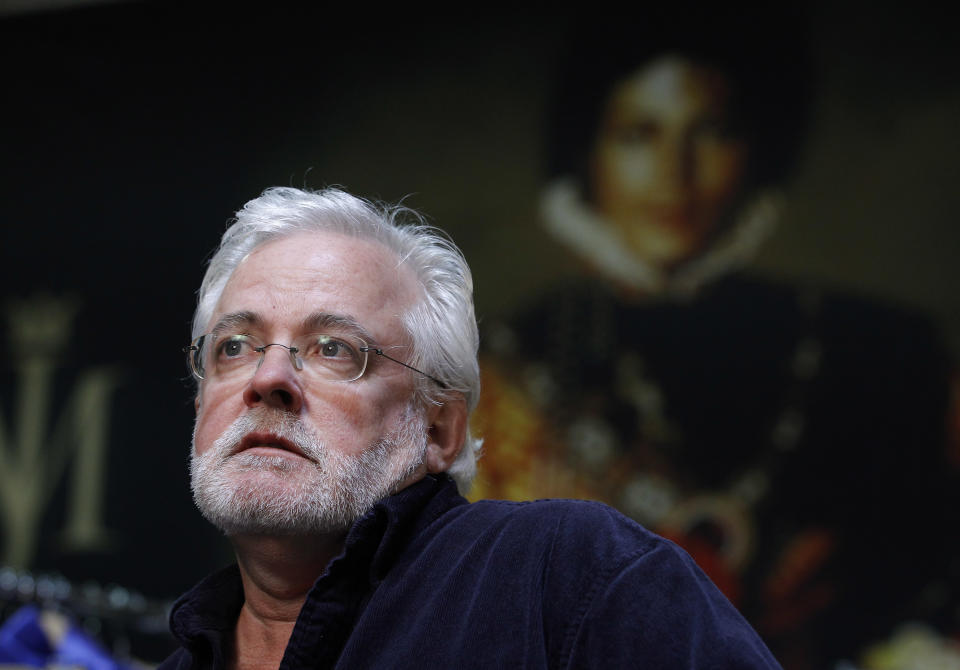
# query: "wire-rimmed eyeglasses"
[[341, 358]]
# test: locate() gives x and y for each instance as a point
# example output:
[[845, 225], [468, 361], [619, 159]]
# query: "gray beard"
[[243, 493]]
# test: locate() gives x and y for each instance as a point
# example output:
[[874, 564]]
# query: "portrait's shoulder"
[[849, 322], [896, 345], [522, 331], [883, 320], [841, 308]]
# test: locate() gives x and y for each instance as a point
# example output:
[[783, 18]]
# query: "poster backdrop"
[[714, 262]]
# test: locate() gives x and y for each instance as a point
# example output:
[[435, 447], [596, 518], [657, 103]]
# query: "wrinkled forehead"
[[286, 279]]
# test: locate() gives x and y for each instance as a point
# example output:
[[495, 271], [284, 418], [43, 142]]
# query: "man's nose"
[[276, 382]]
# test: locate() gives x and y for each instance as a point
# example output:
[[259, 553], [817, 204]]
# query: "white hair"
[[442, 326]]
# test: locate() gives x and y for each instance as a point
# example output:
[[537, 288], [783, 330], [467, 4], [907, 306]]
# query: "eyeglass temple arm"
[[379, 352]]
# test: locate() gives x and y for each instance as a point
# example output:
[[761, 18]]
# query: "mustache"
[[265, 420]]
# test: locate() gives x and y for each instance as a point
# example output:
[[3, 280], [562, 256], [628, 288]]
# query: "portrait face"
[[665, 170], [278, 450]]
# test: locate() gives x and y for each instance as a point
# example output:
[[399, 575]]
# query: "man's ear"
[[446, 431]]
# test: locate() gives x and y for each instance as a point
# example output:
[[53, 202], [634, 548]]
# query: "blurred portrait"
[[762, 424]]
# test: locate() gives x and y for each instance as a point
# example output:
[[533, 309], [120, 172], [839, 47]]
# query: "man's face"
[[278, 450]]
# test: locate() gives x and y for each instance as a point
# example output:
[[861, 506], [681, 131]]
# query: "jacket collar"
[[208, 612]]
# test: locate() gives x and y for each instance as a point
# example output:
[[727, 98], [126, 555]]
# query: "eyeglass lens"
[[330, 356]]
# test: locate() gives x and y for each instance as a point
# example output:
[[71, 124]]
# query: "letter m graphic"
[[36, 449]]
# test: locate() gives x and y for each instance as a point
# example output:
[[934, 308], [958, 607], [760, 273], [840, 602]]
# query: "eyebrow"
[[316, 321], [323, 320], [236, 320]]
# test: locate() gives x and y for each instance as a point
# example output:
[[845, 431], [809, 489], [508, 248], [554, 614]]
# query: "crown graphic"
[[40, 325]]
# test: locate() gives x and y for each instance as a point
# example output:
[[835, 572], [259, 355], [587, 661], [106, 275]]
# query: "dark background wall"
[[205, 107], [131, 131]]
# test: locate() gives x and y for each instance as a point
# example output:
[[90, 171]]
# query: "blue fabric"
[[79, 650], [25, 642], [427, 579]]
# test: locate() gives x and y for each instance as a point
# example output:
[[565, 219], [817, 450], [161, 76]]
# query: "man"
[[335, 351]]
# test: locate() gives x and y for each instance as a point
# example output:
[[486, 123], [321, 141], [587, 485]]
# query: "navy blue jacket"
[[427, 579]]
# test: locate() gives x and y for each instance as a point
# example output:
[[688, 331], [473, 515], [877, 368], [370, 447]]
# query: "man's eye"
[[329, 347], [233, 347]]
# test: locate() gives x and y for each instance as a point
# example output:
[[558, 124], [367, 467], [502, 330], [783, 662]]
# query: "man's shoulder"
[[579, 532], [561, 542], [600, 585], [559, 553]]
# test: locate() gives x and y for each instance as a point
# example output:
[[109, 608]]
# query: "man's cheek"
[[214, 415], [206, 430]]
